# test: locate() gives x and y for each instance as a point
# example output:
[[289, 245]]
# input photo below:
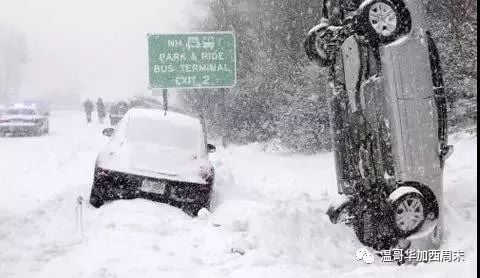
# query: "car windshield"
[[20, 112], [164, 133]]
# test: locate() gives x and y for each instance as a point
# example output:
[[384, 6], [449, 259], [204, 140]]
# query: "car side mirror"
[[108, 131], [211, 148]]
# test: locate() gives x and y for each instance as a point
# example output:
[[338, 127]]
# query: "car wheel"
[[47, 128], [383, 21], [96, 200], [38, 131], [409, 214], [316, 47], [194, 208]]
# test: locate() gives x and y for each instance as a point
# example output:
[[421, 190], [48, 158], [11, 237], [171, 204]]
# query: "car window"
[[20, 112], [164, 133], [351, 63]]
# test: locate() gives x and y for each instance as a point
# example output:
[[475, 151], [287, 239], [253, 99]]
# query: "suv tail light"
[[206, 174]]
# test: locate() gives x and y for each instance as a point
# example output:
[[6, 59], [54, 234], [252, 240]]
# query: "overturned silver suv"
[[388, 119]]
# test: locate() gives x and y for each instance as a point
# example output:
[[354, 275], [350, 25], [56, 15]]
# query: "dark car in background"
[[117, 111], [157, 156], [120, 108], [23, 120]]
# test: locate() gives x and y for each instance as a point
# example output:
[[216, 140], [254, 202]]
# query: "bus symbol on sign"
[[193, 42], [208, 43]]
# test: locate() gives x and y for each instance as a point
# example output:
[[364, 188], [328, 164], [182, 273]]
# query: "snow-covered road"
[[268, 217]]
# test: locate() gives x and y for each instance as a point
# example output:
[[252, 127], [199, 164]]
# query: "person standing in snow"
[[88, 106], [101, 111]]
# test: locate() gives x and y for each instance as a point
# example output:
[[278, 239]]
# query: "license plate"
[[150, 186]]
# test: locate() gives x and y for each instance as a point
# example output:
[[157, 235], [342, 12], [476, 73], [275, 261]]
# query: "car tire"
[[96, 200], [315, 48], [383, 21], [409, 214], [46, 130], [193, 208], [38, 131]]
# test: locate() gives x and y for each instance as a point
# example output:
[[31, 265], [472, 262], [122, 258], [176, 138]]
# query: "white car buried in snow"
[[23, 120], [156, 156]]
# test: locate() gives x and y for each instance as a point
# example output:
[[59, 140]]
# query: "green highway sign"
[[195, 60]]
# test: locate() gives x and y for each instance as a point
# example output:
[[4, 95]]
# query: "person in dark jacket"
[[88, 106], [101, 110]]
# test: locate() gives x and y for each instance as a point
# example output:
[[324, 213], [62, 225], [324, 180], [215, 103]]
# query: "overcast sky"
[[97, 47]]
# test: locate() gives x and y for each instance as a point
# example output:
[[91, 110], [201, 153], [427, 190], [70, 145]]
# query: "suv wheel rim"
[[383, 18], [409, 214]]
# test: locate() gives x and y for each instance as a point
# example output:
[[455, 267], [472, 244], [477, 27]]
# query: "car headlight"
[[206, 173]]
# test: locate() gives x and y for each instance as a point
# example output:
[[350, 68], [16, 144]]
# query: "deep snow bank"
[[268, 218]]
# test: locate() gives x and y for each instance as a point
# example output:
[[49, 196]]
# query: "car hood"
[[153, 161]]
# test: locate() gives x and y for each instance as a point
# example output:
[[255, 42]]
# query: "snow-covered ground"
[[268, 217]]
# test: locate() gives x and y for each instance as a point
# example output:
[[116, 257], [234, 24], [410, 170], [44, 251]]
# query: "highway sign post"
[[195, 60]]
